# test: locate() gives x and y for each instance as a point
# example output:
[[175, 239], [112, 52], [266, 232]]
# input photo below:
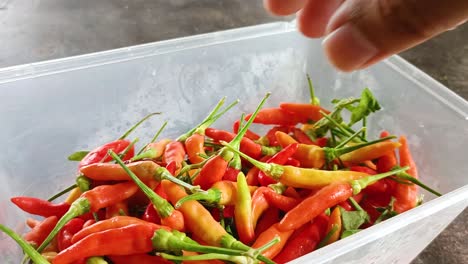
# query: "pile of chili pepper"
[[214, 195]]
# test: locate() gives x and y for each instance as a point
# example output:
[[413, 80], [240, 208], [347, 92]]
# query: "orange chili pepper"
[[306, 112], [174, 152], [268, 235], [334, 224], [145, 170], [406, 195], [118, 241]]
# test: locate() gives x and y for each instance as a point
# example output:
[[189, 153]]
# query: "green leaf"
[[352, 219], [386, 212], [367, 105], [347, 233], [78, 156]]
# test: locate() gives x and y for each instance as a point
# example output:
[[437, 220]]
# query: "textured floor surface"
[[35, 30]]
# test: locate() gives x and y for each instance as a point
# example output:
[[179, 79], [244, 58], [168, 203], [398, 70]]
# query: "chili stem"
[[362, 183], [346, 141], [313, 99], [160, 130], [34, 255], [127, 149], [406, 176], [66, 190], [137, 124], [209, 256], [96, 260], [209, 117], [160, 204]]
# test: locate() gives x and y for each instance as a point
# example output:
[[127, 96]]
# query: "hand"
[[359, 33]]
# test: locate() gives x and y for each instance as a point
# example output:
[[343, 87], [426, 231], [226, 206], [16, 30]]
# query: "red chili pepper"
[[92, 201], [230, 174], [279, 158], [270, 135], [304, 112], [249, 134], [174, 152], [406, 195], [275, 116], [304, 240], [172, 167], [293, 162], [284, 203], [31, 223], [118, 241], [211, 172], [228, 212], [64, 237], [252, 176], [40, 207], [138, 259], [99, 154], [270, 217], [38, 234], [150, 215], [246, 146]]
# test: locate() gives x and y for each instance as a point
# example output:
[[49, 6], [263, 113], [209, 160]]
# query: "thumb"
[[363, 32]]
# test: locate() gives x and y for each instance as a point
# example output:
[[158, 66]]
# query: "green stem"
[[162, 206], [34, 255], [137, 124], [79, 207], [333, 153], [271, 169], [164, 240], [355, 204], [211, 196], [210, 116], [364, 124], [162, 173], [313, 99], [346, 141], [229, 241], [148, 154], [362, 183], [190, 167], [209, 256], [268, 245], [57, 195], [209, 122], [160, 130], [127, 149], [327, 237], [235, 142], [83, 182], [408, 177]]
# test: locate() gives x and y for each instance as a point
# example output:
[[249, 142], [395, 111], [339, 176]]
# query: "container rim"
[[387, 227]]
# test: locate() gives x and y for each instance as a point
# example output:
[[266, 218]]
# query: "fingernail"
[[348, 48]]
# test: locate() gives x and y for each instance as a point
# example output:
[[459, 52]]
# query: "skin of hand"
[[359, 33]]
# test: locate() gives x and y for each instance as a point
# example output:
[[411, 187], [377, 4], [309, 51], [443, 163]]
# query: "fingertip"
[[314, 17], [348, 49], [283, 8]]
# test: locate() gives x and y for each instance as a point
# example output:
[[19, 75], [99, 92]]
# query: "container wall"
[[47, 116]]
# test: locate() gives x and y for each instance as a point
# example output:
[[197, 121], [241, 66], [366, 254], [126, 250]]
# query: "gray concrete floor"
[[35, 30]]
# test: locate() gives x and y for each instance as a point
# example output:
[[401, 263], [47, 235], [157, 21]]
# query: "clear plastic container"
[[51, 109]]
